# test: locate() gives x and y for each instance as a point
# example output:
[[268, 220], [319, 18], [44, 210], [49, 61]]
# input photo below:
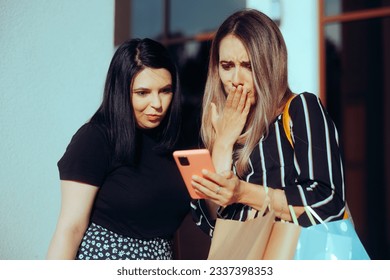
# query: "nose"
[[155, 101], [237, 77]]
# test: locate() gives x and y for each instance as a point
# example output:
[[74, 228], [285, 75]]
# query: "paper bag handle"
[[310, 213]]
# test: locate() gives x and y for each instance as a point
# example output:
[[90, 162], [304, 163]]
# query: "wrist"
[[278, 202], [241, 191], [223, 145], [222, 156]]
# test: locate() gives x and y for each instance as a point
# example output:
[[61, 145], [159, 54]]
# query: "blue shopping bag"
[[335, 240]]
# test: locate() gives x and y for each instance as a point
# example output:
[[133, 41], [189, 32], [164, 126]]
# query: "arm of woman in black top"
[[76, 205], [82, 170]]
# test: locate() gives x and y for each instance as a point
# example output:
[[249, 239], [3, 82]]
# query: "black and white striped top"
[[311, 173]]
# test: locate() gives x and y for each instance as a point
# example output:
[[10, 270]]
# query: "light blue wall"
[[54, 55], [299, 26]]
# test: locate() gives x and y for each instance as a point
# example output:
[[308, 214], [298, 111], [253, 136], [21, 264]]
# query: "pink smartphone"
[[191, 162]]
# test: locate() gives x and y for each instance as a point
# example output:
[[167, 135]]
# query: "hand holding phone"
[[191, 162]]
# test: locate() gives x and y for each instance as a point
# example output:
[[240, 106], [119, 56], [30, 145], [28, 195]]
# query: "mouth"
[[153, 117]]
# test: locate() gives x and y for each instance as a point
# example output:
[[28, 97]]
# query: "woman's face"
[[235, 66], [151, 95]]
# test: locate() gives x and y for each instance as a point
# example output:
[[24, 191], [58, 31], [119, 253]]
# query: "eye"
[[166, 90], [247, 65], [227, 65], [140, 92]]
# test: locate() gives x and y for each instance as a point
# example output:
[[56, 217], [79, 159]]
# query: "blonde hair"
[[268, 55]]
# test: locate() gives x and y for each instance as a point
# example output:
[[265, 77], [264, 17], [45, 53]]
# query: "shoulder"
[[305, 103], [90, 142], [90, 136], [91, 128], [92, 131], [87, 157], [305, 97]]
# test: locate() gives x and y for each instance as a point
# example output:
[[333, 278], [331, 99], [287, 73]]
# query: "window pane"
[[147, 18], [357, 94], [192, 59], [189, 17], [336, 7]]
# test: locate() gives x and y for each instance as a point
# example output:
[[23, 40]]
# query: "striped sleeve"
[[201, 216], [317, 159]]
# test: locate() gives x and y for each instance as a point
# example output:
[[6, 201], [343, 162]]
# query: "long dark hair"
[[116, 112]]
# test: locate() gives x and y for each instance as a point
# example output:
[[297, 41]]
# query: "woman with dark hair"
[[245, 95], [122, 195]]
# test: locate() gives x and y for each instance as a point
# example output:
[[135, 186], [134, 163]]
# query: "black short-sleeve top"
[[143, 200]]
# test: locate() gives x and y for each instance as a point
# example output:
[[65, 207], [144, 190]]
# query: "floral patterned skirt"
[[100, 243]]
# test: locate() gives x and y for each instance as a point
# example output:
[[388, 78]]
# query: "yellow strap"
[[286, 126], [286, 120]]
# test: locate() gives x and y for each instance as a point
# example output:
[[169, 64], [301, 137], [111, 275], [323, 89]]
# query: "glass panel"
[[187, 17], [332, 7], [336, 7], [147, 18], [190, 17], [357, 64], [192, 59]]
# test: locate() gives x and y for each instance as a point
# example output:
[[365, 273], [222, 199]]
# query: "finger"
[[209, 190], [227, 174], [230, 97], [212, 191], [247, 107], [217, 179], [206, 181], [199, 193], [243, 99], [237, 96]]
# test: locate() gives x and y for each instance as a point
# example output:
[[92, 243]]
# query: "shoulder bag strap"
[[286, 120]]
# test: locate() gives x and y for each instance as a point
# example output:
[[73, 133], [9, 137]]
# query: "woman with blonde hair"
[[246, 92]]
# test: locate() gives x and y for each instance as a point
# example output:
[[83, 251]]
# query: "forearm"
[[222, 155], [64, 244], [76, 206], [255, 196], [222, 161]]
